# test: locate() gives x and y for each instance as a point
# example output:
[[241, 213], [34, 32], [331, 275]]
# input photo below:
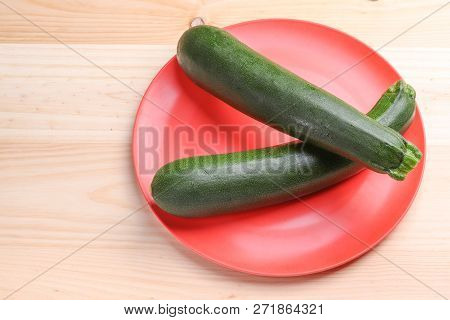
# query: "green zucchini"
[[251, 83], [207, 185]]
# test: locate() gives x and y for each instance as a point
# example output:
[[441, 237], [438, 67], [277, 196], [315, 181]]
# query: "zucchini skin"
[[251, 83], [208, 185]]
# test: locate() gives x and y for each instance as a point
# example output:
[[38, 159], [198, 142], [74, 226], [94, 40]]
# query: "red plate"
[[330, 227]]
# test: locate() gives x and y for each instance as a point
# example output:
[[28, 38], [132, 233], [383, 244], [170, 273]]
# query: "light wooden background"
[[65, 165]]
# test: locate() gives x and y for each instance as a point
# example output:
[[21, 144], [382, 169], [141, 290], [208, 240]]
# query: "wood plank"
[[55, 197], [138, 260], [162, 22], [62, 97], [66, 175]]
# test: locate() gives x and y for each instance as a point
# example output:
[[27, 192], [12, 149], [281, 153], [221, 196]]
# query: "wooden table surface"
[[67, 187]]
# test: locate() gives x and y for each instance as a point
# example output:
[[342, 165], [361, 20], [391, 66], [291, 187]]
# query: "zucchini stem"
[[410, 160]]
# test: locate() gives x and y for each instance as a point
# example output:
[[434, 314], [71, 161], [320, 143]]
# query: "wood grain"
[[162, 22], [65, 164]]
